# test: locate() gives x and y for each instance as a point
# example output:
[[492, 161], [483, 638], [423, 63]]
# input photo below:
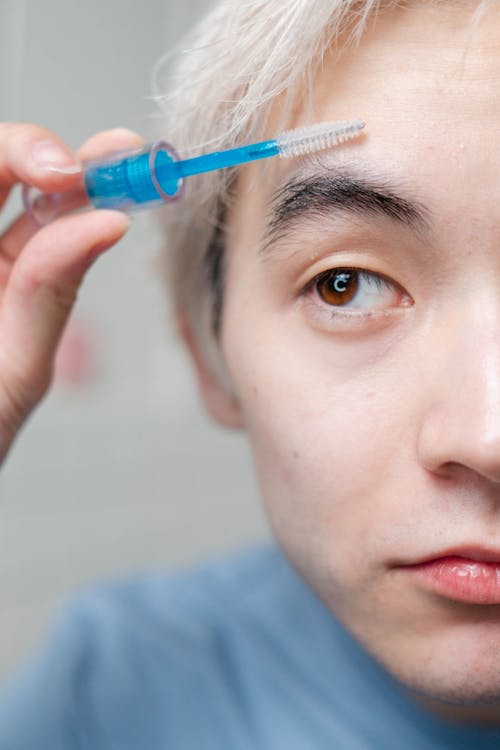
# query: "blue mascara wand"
[[143, 178]]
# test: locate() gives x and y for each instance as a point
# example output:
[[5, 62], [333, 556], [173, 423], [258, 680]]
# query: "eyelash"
[[345, 275]]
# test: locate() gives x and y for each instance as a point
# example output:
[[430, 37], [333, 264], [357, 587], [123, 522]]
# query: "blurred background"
[[118, 469]]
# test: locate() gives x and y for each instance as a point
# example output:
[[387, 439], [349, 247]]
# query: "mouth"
[[465, 574]]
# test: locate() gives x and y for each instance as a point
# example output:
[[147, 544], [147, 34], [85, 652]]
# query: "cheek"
[[323, 436]]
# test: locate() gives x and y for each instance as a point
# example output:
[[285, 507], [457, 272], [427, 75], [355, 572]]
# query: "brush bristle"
[[317, 137]]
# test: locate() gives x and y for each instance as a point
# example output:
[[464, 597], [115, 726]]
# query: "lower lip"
[[461, 579]]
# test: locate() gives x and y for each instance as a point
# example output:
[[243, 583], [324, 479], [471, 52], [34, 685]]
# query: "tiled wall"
[[118, 469]]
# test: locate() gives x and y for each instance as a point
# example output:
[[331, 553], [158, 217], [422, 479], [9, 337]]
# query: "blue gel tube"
[[133, 179]]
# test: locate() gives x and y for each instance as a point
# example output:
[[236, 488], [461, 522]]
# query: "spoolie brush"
[[129, 181]]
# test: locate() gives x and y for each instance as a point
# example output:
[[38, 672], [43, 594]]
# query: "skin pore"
[[372, 397]]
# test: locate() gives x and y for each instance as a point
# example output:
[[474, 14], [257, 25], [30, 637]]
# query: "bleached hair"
[[215, 91]]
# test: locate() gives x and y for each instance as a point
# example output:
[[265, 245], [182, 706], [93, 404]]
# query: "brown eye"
[[338, 287]]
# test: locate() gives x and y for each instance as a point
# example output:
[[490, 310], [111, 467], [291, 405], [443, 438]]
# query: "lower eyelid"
[[334, 320], [350, 312]]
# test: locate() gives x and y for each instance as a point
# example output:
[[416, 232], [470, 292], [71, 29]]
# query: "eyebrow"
[[336, 192]]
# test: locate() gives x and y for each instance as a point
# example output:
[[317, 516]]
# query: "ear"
[[220, 403]]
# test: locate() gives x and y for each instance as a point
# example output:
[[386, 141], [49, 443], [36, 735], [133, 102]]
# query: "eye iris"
[[338, 287]]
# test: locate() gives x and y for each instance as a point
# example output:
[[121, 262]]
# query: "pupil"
[[338, 287]]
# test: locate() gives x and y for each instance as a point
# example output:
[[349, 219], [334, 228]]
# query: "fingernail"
[[50, 157]]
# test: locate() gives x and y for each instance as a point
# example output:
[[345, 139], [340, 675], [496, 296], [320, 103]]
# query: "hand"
[[41, 269]]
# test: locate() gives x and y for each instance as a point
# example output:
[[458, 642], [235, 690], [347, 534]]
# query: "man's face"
[[371, 395]]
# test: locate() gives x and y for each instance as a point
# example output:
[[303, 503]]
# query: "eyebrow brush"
[[152, 175]]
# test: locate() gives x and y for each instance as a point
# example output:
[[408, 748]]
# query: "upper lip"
[[471, 552]]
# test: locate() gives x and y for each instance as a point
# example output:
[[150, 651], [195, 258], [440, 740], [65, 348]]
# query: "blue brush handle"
[[229, 158], [129, 180], [155, 174]]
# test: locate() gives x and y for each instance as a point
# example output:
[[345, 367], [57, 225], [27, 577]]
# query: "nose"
[[460, 422]]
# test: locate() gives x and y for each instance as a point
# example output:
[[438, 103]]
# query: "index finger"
[[36, 156], [108, 141]]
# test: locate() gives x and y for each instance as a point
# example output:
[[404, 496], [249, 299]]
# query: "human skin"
[[377, 439], [41, 270]]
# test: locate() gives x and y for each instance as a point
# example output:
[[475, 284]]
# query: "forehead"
[[424, 79], [427, 71]]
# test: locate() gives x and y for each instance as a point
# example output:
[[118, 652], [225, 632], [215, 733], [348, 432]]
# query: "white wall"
[[120, 471]]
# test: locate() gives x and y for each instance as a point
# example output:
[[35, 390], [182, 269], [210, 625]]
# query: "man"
[[344, 312]]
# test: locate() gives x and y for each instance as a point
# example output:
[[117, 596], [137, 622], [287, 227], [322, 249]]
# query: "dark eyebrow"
[[324, 194]]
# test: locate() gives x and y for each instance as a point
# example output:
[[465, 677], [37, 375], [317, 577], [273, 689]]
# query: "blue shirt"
[[236, 655]]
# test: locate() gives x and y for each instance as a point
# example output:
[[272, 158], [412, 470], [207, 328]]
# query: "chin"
[[471, 691], [466, 681], [454, 666]]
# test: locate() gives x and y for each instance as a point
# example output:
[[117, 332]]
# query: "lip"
[[477, 553], [466, 574]]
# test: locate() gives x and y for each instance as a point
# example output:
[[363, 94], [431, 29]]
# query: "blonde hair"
[[215, 90]]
